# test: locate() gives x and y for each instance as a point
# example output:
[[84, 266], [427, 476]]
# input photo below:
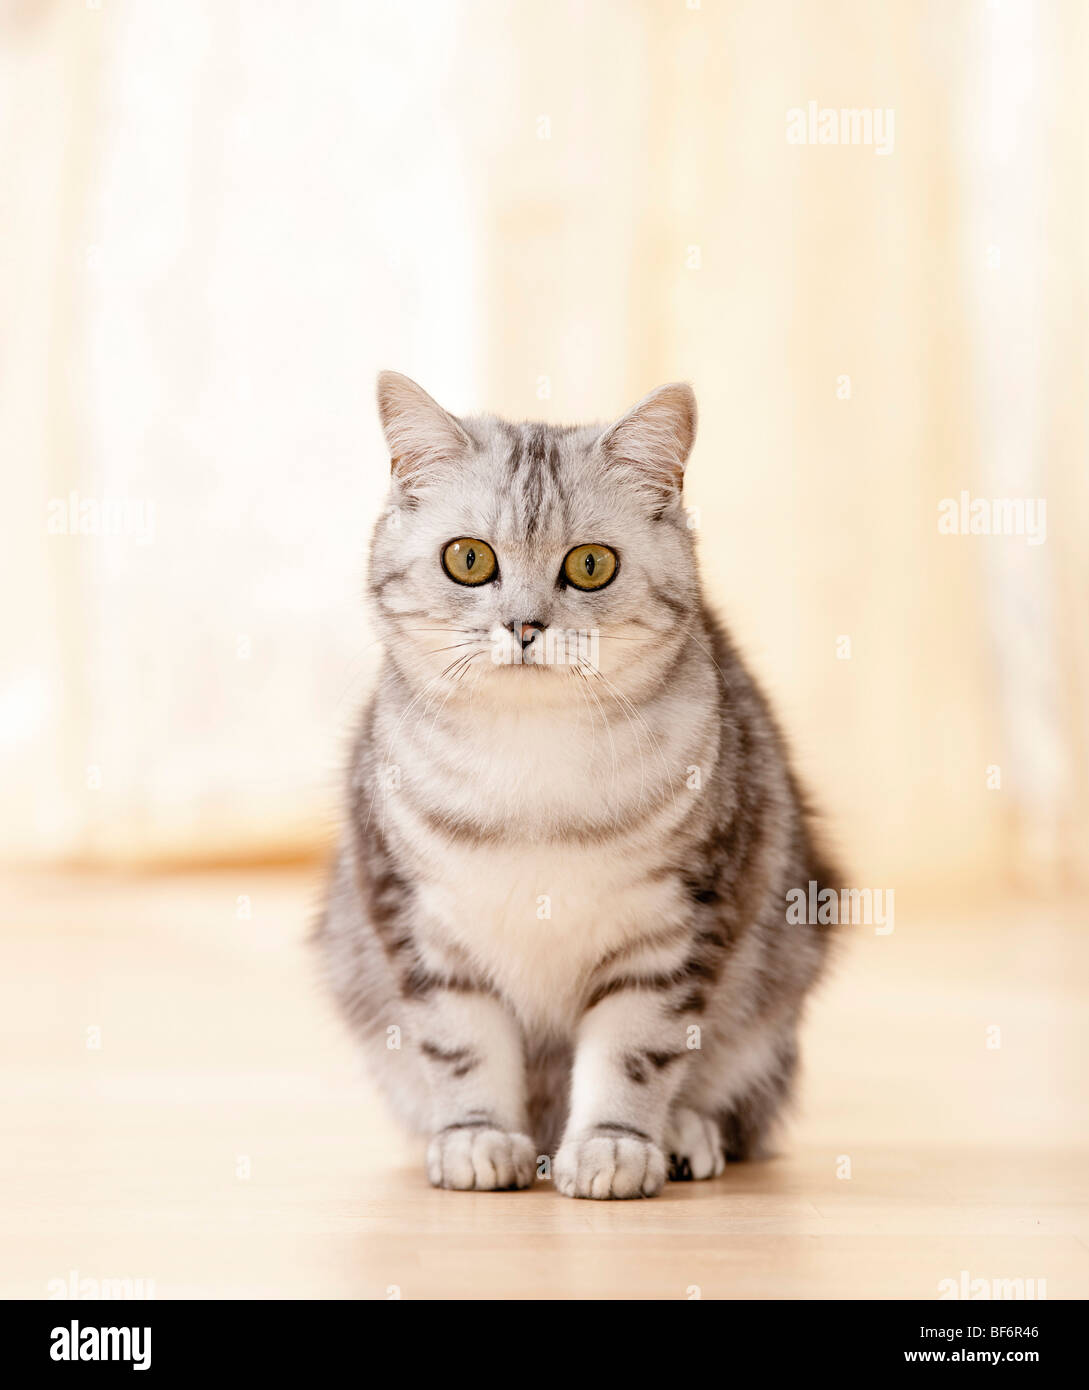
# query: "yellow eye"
[[469, 562], [590, 566]]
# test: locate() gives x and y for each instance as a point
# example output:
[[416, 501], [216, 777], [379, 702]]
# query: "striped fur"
[[557, 917]]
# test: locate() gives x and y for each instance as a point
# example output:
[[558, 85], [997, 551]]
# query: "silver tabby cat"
[[572, 824]]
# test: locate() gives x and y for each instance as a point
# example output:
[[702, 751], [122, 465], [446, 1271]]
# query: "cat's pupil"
[[589, 563], [470, 558]]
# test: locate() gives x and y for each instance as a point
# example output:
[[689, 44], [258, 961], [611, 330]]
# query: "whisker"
[[462, 664], [456, 662], [627, 704], [638, 743], [589, 709], [393, 737], [612, 750]]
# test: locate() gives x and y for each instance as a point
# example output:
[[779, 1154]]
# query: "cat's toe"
[[696, 1147], [609, 1168], [480, 1160]]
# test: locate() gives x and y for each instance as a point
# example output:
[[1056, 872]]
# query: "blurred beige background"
[[218, 220]]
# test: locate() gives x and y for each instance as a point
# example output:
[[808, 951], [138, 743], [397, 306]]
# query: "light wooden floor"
[[221, 1143]]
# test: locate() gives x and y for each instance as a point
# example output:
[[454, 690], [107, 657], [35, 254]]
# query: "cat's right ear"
[[420, 434], [652, 442]]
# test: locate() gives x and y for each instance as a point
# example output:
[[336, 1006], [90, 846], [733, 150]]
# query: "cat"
[[557, 917]]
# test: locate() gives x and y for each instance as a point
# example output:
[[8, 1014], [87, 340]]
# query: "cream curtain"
[[219, 219]]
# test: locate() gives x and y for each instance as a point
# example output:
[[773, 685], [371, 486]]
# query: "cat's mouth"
[[527, 662]]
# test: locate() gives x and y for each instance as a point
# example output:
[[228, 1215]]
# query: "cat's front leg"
[[472, 1051], [630, 1058]]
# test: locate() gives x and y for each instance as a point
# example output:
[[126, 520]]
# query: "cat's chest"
[[536, 849], [536, 920]]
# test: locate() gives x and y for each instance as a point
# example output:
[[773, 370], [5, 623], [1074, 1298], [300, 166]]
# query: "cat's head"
[[516, 562]]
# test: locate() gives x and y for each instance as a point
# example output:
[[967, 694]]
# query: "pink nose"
[[525, 632]]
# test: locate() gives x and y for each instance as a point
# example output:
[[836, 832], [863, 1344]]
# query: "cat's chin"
[[514, 688], [507, 680]]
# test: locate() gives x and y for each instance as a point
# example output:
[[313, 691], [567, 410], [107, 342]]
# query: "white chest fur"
[[537, 920], [537, 908]]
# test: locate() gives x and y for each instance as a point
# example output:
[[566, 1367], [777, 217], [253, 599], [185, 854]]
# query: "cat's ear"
[[420, 434], [653, 440]]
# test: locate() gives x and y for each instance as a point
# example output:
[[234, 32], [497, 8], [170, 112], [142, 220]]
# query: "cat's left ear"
[[420, 434], [653, 440]]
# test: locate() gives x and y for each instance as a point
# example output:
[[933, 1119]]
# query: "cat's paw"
[[696, 1150], [471, 1158], [606, 1166]]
